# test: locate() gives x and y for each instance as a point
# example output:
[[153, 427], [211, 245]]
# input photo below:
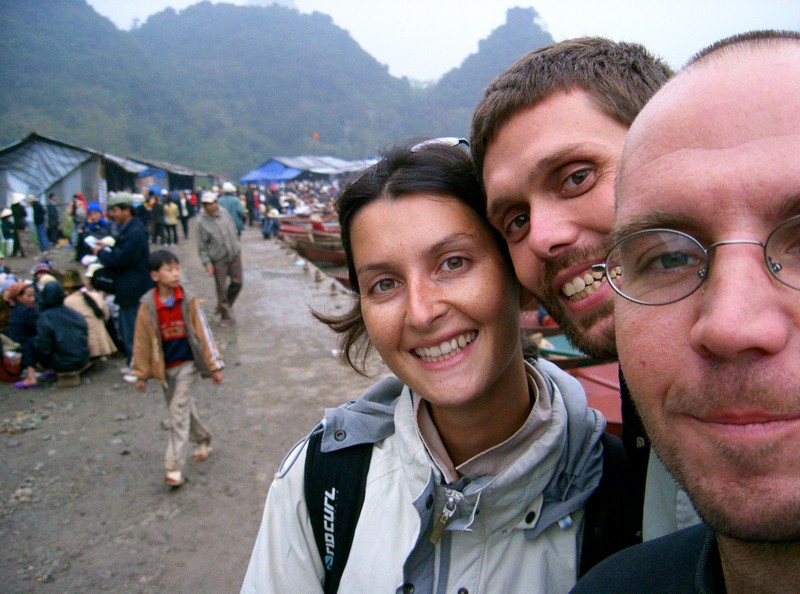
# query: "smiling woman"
[[470, 450]]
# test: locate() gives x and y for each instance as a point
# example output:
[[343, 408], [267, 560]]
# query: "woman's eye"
[[453, 263], [384, 285]]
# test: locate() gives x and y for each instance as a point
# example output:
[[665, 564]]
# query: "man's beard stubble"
[[602, 347]]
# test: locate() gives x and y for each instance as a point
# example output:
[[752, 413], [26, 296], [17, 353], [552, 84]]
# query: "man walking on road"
[[220, 253], [230, 202]]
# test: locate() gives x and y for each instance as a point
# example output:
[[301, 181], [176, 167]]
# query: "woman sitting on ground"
[[479, 477], [62, 342], [22, 328], [94, 310]]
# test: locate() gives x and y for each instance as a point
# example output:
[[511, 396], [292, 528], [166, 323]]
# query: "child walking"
[[173, 343]]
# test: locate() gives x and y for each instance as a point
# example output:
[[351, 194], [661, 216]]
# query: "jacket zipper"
[[449, 510]]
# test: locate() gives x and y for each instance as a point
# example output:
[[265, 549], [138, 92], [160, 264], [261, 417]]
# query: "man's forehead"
[[721, 108], [537, 136], [745, 87]]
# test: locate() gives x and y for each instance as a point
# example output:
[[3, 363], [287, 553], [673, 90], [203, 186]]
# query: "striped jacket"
[[148, 353]]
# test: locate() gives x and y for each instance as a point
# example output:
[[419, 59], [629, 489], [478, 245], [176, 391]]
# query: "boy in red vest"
[[172, 343]]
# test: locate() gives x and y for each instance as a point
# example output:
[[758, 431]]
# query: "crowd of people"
[[118, 296], [58, 323]]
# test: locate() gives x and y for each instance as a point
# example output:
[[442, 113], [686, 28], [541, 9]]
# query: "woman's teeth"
[[446, 349]]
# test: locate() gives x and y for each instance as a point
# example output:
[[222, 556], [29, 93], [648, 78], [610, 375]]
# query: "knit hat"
[[41, 266], [94, 206]]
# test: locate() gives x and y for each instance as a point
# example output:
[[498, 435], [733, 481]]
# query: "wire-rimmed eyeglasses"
[[662, 266]]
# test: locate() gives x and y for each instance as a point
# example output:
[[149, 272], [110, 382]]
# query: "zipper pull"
[[449, 510]]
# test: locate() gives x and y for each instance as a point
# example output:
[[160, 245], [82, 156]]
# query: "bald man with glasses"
[[706, 266]]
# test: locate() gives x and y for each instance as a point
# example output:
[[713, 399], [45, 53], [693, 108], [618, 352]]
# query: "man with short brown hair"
[[546, 138]]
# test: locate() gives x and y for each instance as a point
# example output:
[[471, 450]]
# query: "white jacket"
[[516, 532]]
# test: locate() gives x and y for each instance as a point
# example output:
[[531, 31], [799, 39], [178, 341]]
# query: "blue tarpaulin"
[[285, 168], [270, 171]]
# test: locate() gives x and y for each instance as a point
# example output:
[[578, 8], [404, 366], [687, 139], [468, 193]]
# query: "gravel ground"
[[83, 507]]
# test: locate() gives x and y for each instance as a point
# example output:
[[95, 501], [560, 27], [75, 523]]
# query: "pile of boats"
[[317, 239]]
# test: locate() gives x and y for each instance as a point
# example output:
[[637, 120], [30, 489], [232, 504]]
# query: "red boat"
[[319, 252]]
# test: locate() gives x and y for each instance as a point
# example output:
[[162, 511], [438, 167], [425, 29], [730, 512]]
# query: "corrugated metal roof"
[[126, 164], [40, 162], [170, 167]]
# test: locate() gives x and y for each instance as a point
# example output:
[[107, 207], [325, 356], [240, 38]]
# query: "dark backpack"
[[335, 483]]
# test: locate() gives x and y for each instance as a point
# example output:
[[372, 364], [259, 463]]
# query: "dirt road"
[[83, 507]]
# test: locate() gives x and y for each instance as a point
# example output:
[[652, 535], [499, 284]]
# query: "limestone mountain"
[[224, 87]]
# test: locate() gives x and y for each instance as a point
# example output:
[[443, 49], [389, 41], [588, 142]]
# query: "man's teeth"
[[447, 349], [582, 286]]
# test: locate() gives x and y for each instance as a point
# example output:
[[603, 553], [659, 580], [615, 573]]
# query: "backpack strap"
[[613, 519], [93, 306], [335, 483]]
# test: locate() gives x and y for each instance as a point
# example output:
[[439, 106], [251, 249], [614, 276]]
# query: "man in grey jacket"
[[220, 253]]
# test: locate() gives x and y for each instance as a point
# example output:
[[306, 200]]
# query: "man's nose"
[[742, 307], [551, 230]]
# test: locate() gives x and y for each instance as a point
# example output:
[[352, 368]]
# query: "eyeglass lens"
[[660, 266]]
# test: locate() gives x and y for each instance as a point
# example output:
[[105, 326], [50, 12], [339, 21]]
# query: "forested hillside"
[[223, 87]]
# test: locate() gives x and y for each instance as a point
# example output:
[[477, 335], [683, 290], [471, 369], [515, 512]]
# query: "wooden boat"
[[320, 253], [293, 227], [601, 383], [340, 274], [326, 235], [289, 232]]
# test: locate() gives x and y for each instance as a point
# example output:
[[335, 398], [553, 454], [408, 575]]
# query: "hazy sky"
[[423, 39]]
